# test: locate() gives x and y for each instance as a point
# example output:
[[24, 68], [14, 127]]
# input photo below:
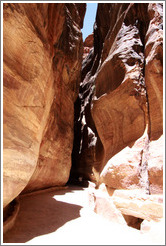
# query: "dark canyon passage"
[[75, 112]]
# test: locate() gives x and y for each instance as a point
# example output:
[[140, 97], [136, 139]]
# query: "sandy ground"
[[64, 218]]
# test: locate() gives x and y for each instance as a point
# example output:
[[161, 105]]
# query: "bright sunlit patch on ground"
[[74, 197]]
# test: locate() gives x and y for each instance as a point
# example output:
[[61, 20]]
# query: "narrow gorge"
[[87, 115]]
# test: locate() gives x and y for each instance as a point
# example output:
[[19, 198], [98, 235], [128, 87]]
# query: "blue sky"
[[89, 20]]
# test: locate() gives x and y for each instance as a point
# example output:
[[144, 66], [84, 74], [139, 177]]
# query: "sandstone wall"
[[119, 120], [119, 111], [42, 51]]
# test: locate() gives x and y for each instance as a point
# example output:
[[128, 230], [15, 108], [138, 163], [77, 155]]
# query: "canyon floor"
[[63, 217]]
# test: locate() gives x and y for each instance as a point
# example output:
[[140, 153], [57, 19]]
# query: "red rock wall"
[[118, 114], [42, 51], [88, 45], [120, 99]]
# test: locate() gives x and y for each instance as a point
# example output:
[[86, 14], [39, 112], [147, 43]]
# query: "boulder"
[[138, 204]]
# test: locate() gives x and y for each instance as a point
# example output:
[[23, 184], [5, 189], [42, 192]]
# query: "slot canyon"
[[83, 124]]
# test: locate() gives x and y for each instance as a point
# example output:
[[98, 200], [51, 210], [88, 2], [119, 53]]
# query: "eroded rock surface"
[[131, 207], [119, 109], [88, 45], [42, 59]]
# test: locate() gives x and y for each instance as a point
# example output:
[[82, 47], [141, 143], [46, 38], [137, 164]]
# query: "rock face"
[[88, 45], [118, 118], [42, 59], [124, 170]]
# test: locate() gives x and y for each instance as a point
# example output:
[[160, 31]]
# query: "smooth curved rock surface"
[[54, 162], [41, 79]]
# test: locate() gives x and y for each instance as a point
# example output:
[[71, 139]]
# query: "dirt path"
[[64, 218]]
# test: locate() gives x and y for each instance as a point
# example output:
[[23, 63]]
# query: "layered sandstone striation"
[[118, 122], [42, 51], [57, 142]]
